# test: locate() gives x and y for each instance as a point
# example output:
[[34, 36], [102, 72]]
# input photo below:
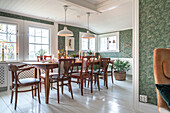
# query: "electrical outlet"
[[143, 98]]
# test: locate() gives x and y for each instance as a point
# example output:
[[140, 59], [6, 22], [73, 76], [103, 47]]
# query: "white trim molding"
[[138, 106]]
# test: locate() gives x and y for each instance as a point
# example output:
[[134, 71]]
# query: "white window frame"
[[109, 35], [80, 42], [17, 42], [49, 44]]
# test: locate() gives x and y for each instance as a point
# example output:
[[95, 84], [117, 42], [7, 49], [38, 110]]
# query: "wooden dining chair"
[[102, 72], [64, 72], [85, 73], [16, 82], [42, 75]]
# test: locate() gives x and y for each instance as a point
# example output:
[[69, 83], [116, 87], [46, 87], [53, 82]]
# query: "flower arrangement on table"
[[61, 53], [89, 52]]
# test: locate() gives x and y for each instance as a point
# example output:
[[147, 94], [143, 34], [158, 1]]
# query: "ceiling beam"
[[82, 4]]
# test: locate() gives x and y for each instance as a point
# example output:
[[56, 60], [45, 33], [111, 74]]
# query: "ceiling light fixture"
[[88, 34], [65, 31]]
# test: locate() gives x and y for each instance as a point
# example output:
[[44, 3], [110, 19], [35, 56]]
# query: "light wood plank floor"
[[116, 99]]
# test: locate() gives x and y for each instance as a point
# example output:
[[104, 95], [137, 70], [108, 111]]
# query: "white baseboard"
[[147, 108]]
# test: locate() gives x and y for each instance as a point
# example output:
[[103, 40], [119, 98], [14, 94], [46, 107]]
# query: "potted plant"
[[40, 53], [120, 68], [89, 52]]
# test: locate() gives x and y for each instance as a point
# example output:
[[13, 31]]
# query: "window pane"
[[31, 31], [103, 44], [44, 40], [112, 43], [45, 33], [11, 38], [8, 34], [12, 29], [2, 37], [38, 32], [31, 39], [92, 44], [84, 44], [3, 28], [10, 51], [38, 39]]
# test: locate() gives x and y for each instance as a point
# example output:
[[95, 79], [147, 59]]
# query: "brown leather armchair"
[[161, 62]]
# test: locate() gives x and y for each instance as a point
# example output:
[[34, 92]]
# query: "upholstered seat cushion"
[[50, 74], [27, 81], [164, 90], [57, 76]]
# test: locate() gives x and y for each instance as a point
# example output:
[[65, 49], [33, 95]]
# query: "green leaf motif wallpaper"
[[154, 32]]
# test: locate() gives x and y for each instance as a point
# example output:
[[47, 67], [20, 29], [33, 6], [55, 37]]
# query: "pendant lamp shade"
[[65, 31], [88, 35]]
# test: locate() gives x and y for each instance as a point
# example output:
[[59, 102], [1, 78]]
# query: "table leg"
[[35, 76], [47, 86]]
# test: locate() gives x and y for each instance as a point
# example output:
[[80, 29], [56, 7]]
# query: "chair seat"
[[56, 77], [50, 74], [28, 81]]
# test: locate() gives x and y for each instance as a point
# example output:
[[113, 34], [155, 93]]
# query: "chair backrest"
[[161, 62], [87, 62], [16, 71], [40, 58], [65, 67], [103, 65]]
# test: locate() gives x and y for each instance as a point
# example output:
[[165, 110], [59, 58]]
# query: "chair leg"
[[98, 83], [32, 92], [91, 84], [106, 82], [40, 84], [62, 87], [112, 77], [38, 88], [16, 94], [51, 84], [12, 94], [58, 92], [70, 88], [81, 86]]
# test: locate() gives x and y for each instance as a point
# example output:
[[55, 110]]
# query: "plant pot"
[[41, 58], [120, 75]]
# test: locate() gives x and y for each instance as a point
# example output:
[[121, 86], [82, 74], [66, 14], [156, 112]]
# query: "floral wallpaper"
[[125, 46], [154, 32]]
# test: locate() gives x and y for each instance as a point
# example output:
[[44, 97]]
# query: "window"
[[86, 44], [109, 42], [8, 34], [38, 39]]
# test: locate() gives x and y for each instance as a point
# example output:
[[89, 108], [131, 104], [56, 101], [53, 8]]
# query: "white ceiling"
[[107, 15]]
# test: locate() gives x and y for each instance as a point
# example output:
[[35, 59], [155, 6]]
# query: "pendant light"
[[65, 31], [88, 35]]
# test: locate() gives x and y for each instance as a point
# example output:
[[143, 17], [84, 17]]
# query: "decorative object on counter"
[[41, 53], [120, 68], [3, 48], [65, 31], [69, 43], [99, 57], [88, 35], [89, 53]]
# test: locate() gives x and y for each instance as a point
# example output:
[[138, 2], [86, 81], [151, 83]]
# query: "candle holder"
[[3, 54]]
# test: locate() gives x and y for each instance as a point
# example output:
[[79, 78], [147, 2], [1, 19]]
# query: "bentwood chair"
[[65, 70], [16, 82], [85, 73], [42, 75], [102, 72]]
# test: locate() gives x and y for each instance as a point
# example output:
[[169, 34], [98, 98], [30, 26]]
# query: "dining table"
[[46, 66]]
